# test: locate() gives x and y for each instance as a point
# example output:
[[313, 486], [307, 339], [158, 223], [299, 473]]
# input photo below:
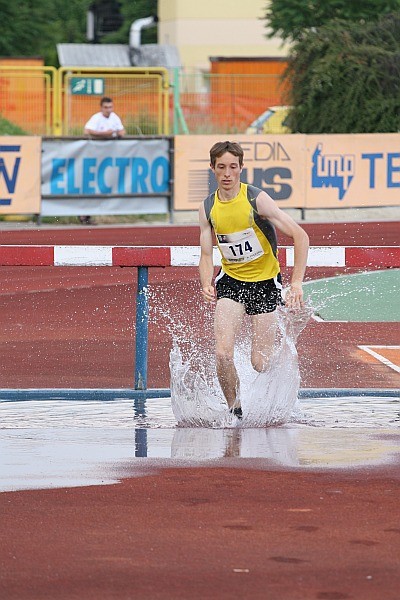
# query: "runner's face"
[[227, 172], [107, 109]]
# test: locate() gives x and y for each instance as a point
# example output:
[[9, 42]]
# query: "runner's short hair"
[[221, 147], [105, 100]]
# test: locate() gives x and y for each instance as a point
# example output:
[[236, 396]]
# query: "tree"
[[344, 77], [289, 19], [34, 27]]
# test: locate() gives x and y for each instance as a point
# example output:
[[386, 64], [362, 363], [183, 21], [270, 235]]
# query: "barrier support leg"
[[142, 329]]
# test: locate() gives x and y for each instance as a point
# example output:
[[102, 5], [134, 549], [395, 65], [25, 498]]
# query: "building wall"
[[215, 28]]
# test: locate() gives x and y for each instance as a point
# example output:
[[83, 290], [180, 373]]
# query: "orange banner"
[[357, 170], [299, 171], [274, 163], [20, 159]]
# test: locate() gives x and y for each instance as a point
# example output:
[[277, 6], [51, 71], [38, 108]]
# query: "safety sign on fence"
[[87, 86]]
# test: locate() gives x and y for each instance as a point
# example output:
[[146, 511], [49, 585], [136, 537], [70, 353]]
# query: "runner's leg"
[[227, 322], [263, 338]]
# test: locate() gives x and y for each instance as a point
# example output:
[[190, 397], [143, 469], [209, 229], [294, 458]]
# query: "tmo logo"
[[332, 170], [9, 167]]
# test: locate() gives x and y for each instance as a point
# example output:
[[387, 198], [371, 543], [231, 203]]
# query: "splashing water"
[[267, 398], [272, 397]]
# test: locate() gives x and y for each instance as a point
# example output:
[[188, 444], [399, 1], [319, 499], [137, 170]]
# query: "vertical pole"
[[176, 100], [179, 119], [142, 329], [171, 151]]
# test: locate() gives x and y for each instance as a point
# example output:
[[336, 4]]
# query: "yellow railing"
[[28, 97], [49, 101], [140, 98]]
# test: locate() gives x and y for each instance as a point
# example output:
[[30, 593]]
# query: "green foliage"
[[345, 78], [289, 19], [8, 128], [35, 27], [142, 124]]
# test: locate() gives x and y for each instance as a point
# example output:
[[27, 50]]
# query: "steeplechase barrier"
[[145, 257]]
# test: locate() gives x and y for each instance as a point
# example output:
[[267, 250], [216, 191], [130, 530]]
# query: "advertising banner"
[[20, 158], [356, 170], [274, 163], [75, 172]]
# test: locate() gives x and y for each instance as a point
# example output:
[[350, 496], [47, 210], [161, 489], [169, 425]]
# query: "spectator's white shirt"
[[99, 122]]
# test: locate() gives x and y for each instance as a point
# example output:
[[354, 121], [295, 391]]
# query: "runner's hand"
[[208, 293], [294, 297]]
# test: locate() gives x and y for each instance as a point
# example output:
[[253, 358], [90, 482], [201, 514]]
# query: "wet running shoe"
[[237, 412]]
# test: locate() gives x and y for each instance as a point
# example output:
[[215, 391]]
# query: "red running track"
[[385, 233], [210, 533], [200, 533], [74, 327]]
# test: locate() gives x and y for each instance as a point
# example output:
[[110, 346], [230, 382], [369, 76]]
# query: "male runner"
[[243, 219]]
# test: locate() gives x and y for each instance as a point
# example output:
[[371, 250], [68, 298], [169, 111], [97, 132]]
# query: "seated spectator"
[[103, 125]]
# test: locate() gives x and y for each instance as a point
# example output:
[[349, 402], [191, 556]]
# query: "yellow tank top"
[[247, 241]]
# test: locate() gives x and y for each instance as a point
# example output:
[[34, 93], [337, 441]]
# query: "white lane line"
[[317, 318], [381, 358], [320, 319]]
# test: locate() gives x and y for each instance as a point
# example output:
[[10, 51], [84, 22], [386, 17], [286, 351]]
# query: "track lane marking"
[[379, 356]]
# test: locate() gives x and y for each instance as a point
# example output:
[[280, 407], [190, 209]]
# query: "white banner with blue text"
[[113, 177]]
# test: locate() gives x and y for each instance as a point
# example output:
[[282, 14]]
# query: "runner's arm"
[[206, 266], [267, 208]]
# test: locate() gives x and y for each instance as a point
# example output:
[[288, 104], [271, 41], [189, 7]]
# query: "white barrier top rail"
[[185, 256]]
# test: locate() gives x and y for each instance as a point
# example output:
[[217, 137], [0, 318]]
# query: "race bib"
[[240, 247]]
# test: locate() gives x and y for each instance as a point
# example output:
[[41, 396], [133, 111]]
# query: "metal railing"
[[222, 103], [141, 98], [48, 101], [29, 98]]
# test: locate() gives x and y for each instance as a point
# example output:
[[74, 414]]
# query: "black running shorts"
[[258, 297]]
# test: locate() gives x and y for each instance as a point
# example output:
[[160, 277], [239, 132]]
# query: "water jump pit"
[[64, 443], [68, 438]]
